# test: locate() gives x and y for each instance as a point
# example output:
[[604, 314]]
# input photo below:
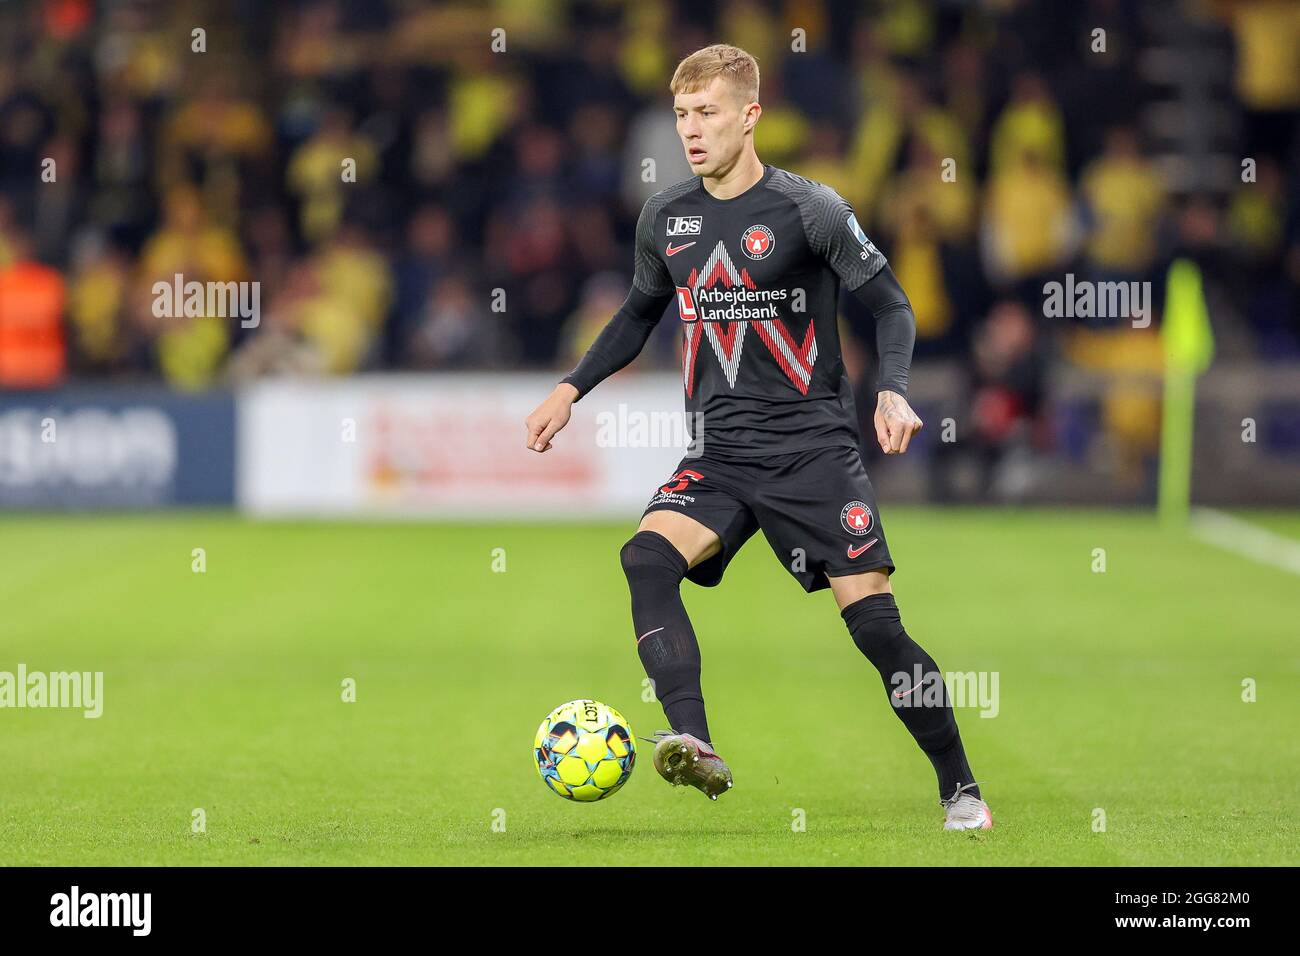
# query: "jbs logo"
[[684, 225]]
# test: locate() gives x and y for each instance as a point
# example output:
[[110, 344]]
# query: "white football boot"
[[964, 811]]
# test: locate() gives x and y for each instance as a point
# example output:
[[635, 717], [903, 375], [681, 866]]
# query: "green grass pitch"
[[1120, 692]]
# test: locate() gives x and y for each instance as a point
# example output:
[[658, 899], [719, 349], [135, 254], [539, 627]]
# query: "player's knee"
[[850, 588], [648, 553], [877, 629]]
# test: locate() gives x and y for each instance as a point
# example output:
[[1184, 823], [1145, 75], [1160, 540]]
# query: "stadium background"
[[411, 318]]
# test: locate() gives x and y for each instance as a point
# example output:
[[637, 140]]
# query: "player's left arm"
[[865, 272], [895, 421]]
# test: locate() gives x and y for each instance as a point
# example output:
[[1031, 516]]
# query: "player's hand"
[[896, 423], [550, 416]]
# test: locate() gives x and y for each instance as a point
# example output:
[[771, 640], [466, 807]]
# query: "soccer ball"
[[584, 750]]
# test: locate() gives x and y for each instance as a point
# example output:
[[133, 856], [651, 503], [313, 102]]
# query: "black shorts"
[[816, 508]]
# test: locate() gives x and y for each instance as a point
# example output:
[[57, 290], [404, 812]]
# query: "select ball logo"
[[758, 242], [856, 518]]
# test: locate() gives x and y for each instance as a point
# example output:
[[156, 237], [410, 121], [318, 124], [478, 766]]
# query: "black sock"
[[665, 639], [922, 705]]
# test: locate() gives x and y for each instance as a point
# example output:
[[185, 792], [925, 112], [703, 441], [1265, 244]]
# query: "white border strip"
[[1249, 540]]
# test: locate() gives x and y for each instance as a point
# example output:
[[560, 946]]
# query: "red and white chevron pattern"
[[795, 360]]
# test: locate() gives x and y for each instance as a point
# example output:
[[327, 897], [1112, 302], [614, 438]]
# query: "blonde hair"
[[729, 62]]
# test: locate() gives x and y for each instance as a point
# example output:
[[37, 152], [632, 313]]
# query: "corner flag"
[[1188, 344]]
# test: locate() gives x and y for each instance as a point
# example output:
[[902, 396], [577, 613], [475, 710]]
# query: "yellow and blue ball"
[[585, 750]]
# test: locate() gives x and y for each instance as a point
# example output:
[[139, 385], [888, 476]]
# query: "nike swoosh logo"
[[858, 551], [899, 695], [673, 250], [648, 633]]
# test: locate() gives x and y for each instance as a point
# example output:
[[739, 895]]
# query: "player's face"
[[712, 124]]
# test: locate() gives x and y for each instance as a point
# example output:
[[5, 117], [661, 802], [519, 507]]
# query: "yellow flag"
[[1186, 335]]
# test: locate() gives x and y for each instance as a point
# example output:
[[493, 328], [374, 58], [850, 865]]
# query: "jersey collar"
[[709, 197]]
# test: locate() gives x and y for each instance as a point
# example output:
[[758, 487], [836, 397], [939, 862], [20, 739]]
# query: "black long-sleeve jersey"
[[756, 280]]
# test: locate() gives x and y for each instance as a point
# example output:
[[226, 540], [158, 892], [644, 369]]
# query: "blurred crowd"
[[454, 185]]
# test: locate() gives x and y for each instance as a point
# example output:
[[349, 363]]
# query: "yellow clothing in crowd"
[[1033, 127], [1028, 221], [190, 351], [95, 304], [316, 177], [1126, 197], [207, 254], [344, 319], [1268, 52]]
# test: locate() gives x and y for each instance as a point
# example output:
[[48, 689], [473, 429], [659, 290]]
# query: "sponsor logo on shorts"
[[862, 549], [758, 241], [671, 493], [683, 479], [856, 518], [671, 499]]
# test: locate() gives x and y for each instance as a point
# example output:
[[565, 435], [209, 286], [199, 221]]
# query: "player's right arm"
[[618, 343]]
